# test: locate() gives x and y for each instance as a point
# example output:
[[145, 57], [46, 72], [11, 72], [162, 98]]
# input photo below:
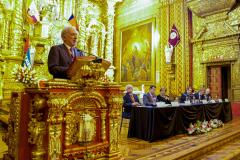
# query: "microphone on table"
[[96, 60]]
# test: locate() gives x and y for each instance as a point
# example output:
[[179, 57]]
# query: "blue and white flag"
[[29, 57]]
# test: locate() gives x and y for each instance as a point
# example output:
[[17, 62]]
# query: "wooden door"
[[214, 81]]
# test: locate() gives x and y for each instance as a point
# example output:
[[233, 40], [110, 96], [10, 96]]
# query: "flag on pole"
[[32, 13], [29, 57], [174, 37], [73, 21]]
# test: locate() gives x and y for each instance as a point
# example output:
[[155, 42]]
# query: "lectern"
[[87, 68], [67, 119]]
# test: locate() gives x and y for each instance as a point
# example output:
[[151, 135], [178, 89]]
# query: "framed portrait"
[[136, 53]]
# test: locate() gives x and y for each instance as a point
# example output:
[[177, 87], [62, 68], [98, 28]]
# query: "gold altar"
[[62, 121], [66, 119]]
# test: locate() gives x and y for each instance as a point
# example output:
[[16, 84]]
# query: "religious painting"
[[136, 53]]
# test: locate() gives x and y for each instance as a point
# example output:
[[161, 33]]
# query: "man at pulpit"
[[61, 56]]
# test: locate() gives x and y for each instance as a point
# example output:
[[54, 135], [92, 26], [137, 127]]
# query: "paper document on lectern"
[[85, 60]]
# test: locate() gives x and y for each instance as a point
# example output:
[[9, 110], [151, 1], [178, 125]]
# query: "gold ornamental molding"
[[204, 8], [219, 62], [195, 40]]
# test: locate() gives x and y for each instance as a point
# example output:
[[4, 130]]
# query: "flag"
[[73, 21], [174, 37], [29, 56], [32, 13]]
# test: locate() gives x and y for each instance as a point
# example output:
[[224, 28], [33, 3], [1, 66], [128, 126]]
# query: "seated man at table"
[[207, 95], [150, 98], [162, 97], [187, 96], [130, 99], [200, 94]]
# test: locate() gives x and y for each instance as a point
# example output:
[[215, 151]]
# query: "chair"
[[125, 115]]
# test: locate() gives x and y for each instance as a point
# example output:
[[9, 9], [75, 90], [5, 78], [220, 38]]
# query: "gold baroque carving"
[[37, 126], [11, 137], [54, 147], [115, 105], [94, 96], [71, 135], [220, 53], [210, 6]]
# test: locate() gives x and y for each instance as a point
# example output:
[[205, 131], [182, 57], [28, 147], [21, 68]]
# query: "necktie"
[[71, 52], [132, 98]]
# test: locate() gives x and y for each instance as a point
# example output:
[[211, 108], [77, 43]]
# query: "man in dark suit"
[[130, 99], [200, 94], [162, 97], [207, 95], [61, 56], [187, 95], [150, 98]]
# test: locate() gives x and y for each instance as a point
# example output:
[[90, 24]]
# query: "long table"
[[154, 123]]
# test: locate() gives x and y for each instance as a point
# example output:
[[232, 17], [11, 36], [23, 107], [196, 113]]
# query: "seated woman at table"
[[130, 99], [150, 98], [207, 95], [162, 97], [187, 96]]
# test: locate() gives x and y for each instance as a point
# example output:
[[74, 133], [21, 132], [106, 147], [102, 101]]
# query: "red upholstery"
[[236, 109]]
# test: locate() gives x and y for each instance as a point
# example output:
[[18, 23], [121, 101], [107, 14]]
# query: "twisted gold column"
[[15, 41]]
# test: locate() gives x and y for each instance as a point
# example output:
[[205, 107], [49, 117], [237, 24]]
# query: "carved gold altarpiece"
[[96, 21], [66, 119]]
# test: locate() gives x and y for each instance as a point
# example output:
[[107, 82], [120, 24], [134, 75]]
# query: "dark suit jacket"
[[207, 97], [59, 60], [197, 96], [147, 100], [162, 99], [127, 102], [184, 96]]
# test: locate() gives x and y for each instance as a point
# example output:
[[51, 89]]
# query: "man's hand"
[[135, 104]]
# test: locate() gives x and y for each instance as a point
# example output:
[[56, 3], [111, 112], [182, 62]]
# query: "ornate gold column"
[[173, 75], [37, 127], [62, 7], [6, 25], [55, 119], [2, 70], [81, 12], [15, 41], [115, 102], [109, 39], [103, 123]]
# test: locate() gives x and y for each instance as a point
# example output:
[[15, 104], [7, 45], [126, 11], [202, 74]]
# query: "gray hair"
[[129, 86], [66, 30]]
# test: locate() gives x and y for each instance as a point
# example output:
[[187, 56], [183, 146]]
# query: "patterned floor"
[[182, 145], [176, 146]]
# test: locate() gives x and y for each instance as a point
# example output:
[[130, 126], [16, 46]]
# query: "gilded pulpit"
[[67, 119]]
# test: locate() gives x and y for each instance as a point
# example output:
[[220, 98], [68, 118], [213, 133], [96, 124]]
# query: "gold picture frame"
[[137, 58]]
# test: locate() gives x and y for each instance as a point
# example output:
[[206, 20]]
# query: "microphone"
[[96, 60]]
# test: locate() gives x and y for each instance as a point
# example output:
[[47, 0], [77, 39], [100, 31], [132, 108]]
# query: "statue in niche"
[[86, 128], [96, 38]]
